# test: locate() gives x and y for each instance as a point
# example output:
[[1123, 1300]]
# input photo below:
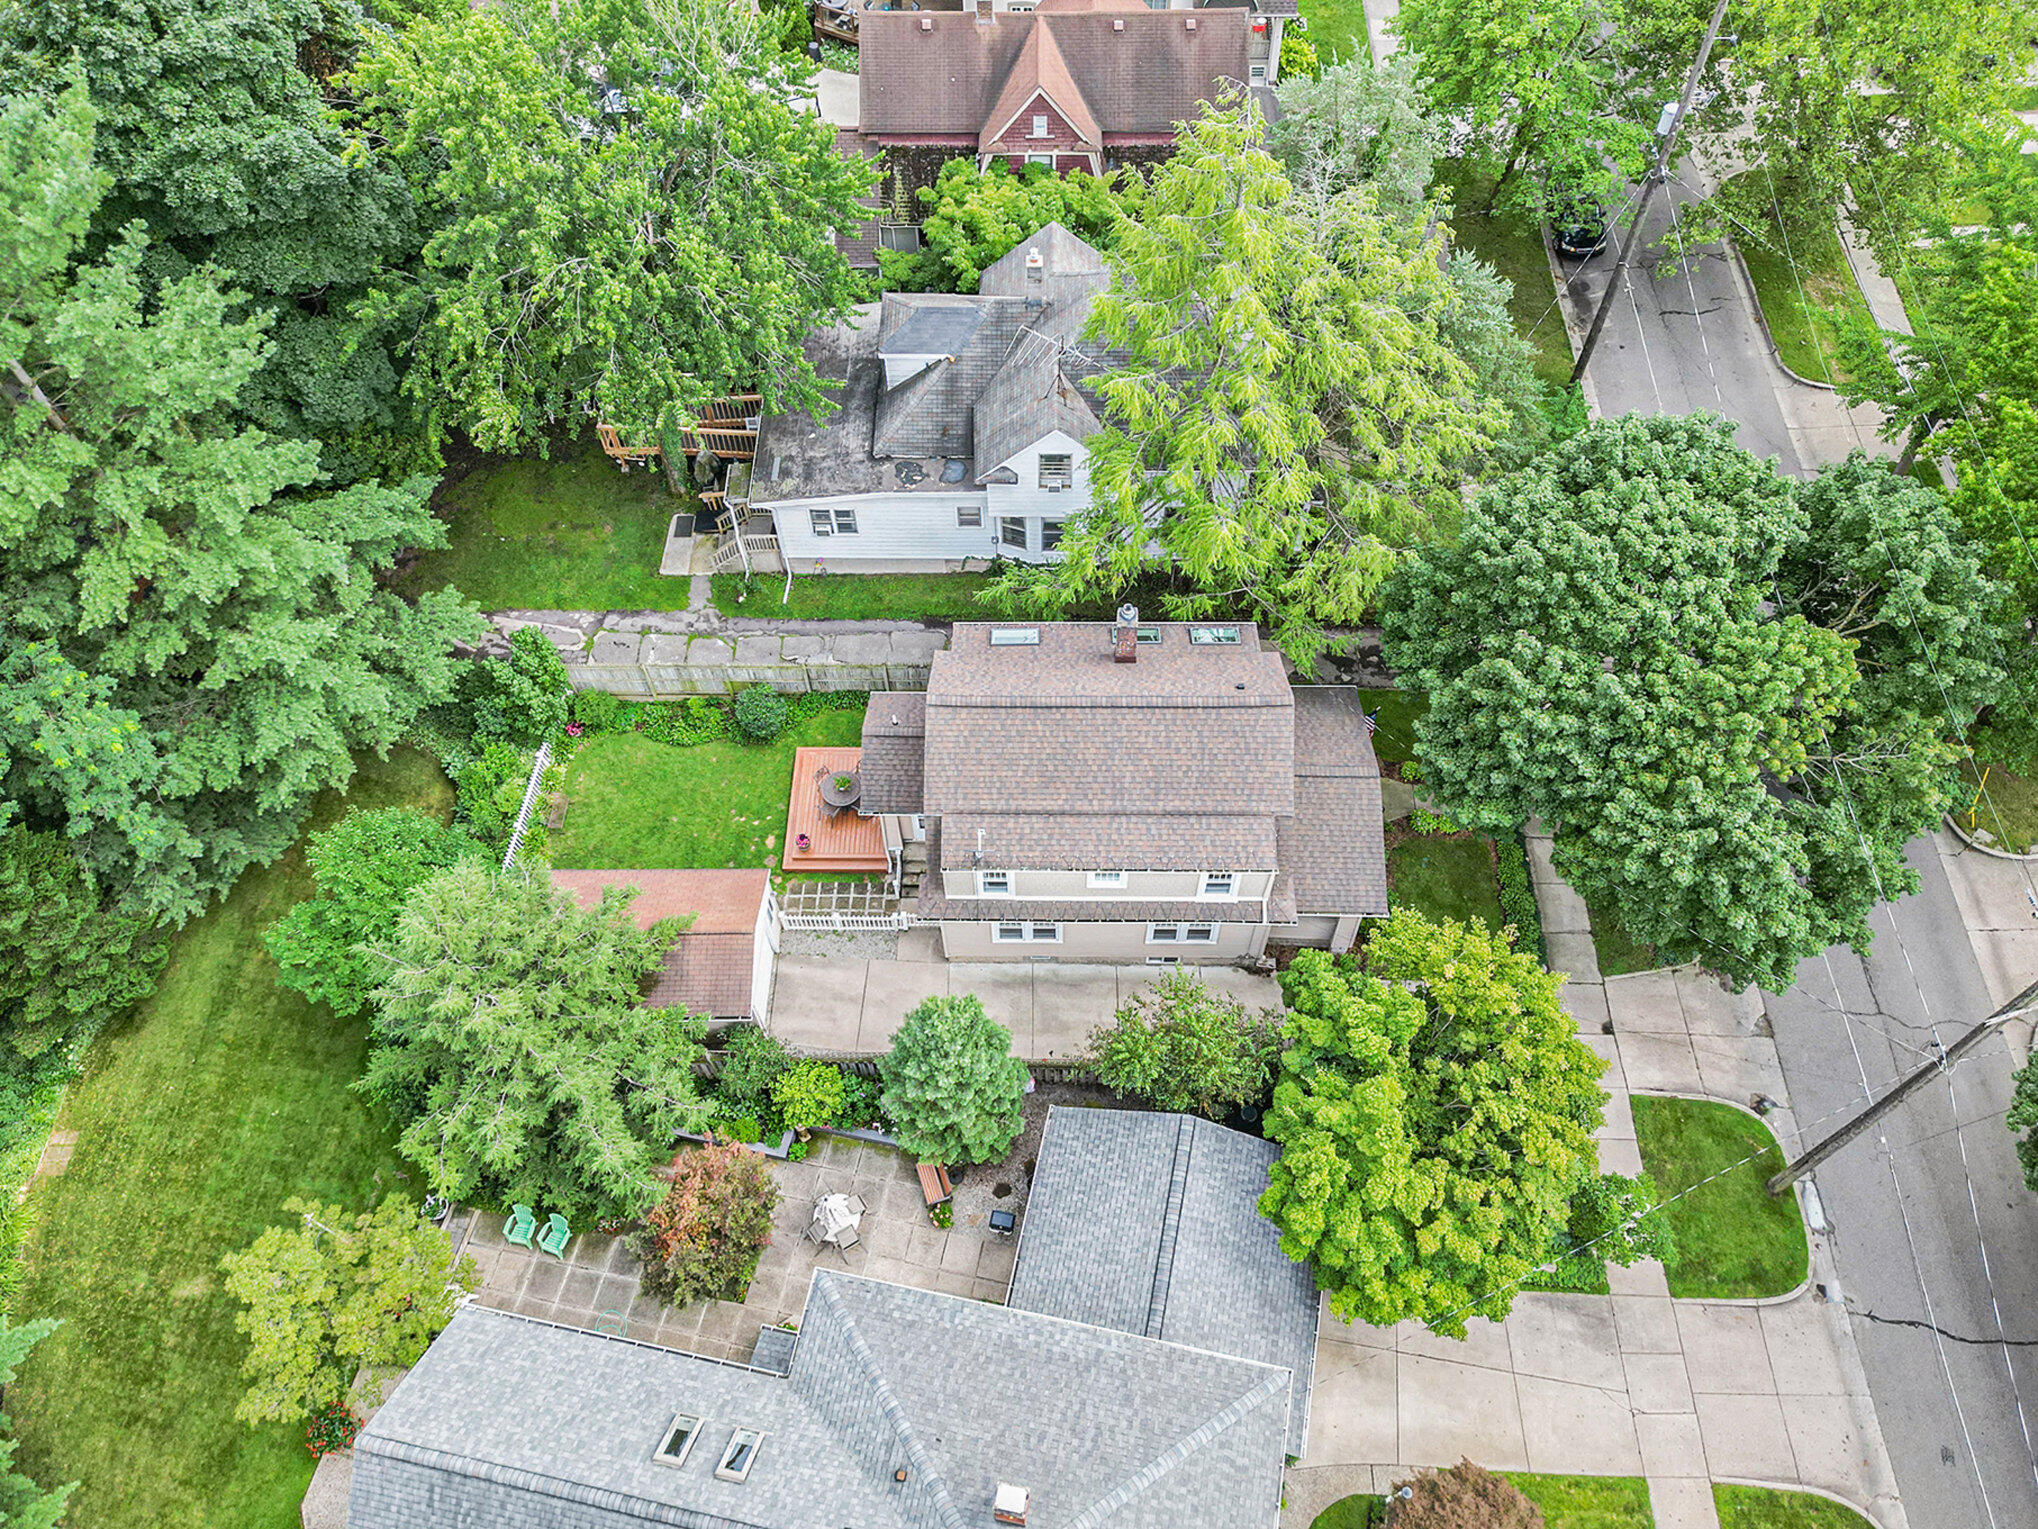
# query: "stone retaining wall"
[[648, 665]]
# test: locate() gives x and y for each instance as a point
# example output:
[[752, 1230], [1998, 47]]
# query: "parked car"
[[1578, 225]]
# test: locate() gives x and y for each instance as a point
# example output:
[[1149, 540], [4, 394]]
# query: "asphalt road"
[[1912, 1247]]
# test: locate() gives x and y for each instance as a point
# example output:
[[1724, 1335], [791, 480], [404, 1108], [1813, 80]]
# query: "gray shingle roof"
[[1150, 1224], [1334, 845], [512, 1423], [894, 746], [1085, 841]]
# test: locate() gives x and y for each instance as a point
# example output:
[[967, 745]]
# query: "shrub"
[[1614, 1219], [808, 1094], [703, 1240], [1518, 896], [1466, 1496], [760, 713], [1299, 58], [696, 720], [1424, 822], [952, 1088], [332, 1430], [523, 698], [597, 711], [751, 1064], [489, 792], [859, 1101], [1180, 1046]]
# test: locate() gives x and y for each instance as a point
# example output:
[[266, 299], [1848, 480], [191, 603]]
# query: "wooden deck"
[[841, 841]]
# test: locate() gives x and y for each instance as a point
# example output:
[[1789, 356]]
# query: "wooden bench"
[[934, 1185]]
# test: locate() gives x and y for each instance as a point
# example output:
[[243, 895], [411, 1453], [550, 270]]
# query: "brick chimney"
[[1125, 640], [1009, 1506]]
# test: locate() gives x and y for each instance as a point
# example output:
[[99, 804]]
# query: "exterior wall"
[[1113, 944], [1143, 886], [900, 527], [763, 951], [1016, 141], [1028, 501]]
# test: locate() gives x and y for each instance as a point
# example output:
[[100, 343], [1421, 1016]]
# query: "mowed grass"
[[1338, 28], [569, 533], [1734, 1239], [1445, 877], [1772, 1508], [856, 597], [633, 804], [1513, 245], [1394, 714], [1807, 290], [2002, 804], [1619, 952], [222, 1096], [1587, 1502]]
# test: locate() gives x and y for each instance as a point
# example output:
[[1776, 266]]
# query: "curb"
[[1797, 1486], [1762, 320], [1983, 849]]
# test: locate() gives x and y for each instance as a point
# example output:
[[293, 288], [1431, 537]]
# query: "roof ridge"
[[1171, 1225], [1244, 702], [1104, 1508], [888, 1403]]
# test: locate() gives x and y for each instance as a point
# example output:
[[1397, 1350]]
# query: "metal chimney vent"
[[1128, 615], [1009, 1506]]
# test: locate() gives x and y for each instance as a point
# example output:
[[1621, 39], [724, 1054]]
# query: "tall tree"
[[977, 216], [222, 133], [23, 1504], [952, 1088], [1360, 124], [1717, 692], [1435, 1113], [660, 235], [169, 563], [1284, 416], [510, 1044]]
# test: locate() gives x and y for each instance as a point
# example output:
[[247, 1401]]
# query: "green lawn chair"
[[554, 1238], [517, 1230]]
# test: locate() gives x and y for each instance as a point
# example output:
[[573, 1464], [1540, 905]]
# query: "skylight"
[[740, 1455], [1015, 636], [679, 1437], [1207, 635]]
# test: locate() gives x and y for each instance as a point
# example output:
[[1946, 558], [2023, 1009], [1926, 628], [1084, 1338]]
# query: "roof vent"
[[1035, 264], [1009, 1506], [926, 23], [1190, 22], [1117, 23]]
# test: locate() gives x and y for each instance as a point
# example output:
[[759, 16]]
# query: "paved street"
[[1931, 1222]]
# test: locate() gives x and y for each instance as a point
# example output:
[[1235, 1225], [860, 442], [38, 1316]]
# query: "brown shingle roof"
[[940, 74], [708, 969], [1334, 847], [1088, 841], [894, 745], [1040, 70]]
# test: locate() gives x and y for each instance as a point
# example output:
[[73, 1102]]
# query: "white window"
[[994, 883], [1057, 470], [838, 522], [969, 515], [898, 236], [845, 521], [1012, 531], [1039, 125], [740, 1455], [1206, 636], [1256, 74], [1181, 934], [1050, 535], [1025, 932], [1219, 884], [1041, 159], [1107, 879], [679, 1437]]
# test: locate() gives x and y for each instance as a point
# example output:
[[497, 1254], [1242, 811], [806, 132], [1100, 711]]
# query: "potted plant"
[[802, 843], [844, 782]]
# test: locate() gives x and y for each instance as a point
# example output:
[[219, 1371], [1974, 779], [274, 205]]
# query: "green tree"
[[1613, 1219], [1649, 640], [2023, 1119], [23, 1504], [226, 138], [1360, 124], [702, 1241], [510, 1044], [66, 963], [1284, 416], [365, 866], [659, 238], [1435, 1113], [168, 569], [334, 1292], [1180, 1046], [1538, 86], [978, 216], [809, 1094], [952, 1088], [523, 697]]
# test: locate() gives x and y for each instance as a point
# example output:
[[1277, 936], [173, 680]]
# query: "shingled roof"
[[894, 749], [1040, 70], [1150, 1224], [1334, 847], [510, 1420], [933, 75], [708, 969]]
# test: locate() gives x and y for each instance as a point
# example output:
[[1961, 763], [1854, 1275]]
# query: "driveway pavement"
[[834, 1006]]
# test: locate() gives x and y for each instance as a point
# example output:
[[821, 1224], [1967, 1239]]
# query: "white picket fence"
[[531, 790], [840, 907]]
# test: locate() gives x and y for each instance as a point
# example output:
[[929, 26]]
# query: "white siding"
[[1116, 944], [763, 949], [1143, 886], [1028, 498], [892, 527]]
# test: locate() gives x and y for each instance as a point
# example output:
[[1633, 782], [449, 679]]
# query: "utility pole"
[[2024, 1003], [1668, 133]]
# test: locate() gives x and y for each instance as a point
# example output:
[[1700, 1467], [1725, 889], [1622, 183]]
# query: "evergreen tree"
[[952, 1088], [23, 1504]]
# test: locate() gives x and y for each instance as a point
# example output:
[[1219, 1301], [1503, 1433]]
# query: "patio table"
[[833, 1215]]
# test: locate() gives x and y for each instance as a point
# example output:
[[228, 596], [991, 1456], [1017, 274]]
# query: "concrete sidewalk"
[[851, 1007]]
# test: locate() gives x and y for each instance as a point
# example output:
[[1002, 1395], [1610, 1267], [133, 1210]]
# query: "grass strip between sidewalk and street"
[[1734, 1240]]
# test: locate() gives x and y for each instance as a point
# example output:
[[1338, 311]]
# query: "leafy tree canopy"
[[333, 1292], [23, 1504], [510, 1044], [976, 217], [1179, 1046], [659, 238], [702, 1241], [175, 600], [1721, 694], [1288, 416], [1360, 124], [1435, 1113], [952, 1088], [334, 947]]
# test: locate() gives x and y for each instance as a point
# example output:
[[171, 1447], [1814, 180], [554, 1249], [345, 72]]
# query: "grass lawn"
[[1361, 1510], [1587, 1502], [858, 597], [1513, 246], [1803, 305], [1395, 713], [219, 1098], [633, 804], [1338, 28], [1734, 1239], [1771, 1508], [1619, 952], [2009, 810], [572, 533], [1445, 876]]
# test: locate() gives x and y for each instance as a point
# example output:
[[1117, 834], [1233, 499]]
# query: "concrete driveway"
[[851, 1007]]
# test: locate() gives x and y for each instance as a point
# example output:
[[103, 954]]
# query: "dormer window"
[[994, 883], [679, 1436], [739, 1456], [1039, 125], [1220, 884], [1057, 471]]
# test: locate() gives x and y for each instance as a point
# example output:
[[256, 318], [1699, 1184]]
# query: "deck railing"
[[841, 906]]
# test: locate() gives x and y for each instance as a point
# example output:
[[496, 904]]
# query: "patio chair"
[[856, 1205], [847, 1240], [517, 1230], [556, 1235]]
